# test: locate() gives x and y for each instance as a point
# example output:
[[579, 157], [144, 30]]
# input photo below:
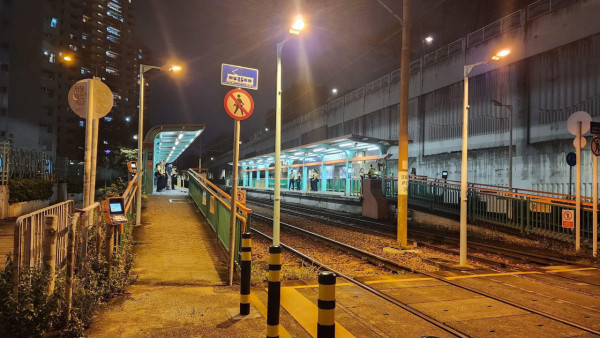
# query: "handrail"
[[227, 196], [88, 208], [244, 210]]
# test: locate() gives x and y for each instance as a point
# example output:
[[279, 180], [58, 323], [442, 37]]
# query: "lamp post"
[[463, 168], [274, 288], [510, 136], [140, 136]]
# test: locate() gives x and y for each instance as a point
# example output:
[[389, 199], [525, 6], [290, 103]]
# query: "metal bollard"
[[274, 290], [326, 319], [246, 264], [49, 250]]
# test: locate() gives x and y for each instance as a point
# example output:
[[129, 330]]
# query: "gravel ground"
[[334, 258], [370, 242]]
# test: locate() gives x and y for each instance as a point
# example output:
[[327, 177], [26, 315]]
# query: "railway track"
[[393, 266]]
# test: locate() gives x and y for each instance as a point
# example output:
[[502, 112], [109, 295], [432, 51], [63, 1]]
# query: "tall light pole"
[[275, 251], [510, 143], [402, 218], [463, 168], [140, 137]]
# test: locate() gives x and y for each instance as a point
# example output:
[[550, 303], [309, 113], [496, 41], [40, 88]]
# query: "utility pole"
[[403, 129]]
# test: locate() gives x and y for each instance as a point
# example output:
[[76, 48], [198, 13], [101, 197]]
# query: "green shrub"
[[38, 314], [29, 189]]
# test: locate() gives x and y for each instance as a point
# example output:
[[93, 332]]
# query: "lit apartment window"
[[113, 38], [111, 54], [113, 71], [52, 58], [113, 31], [81, 123], [53, 22], [84, 36], [73, 47]]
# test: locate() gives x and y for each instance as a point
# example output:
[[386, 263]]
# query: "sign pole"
[[234, 187], [94, 157], [578, 192], [595, 202], [88, 143]]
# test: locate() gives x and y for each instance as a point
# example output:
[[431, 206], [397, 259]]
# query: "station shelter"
[[166, 143], [337, 162]]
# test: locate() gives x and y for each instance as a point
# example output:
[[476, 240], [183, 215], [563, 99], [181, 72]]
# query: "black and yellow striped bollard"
[[274, 289], [246, 265], [326, 318]]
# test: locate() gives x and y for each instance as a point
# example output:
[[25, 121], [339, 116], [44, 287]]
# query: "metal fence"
[[526, 211], [29, 234], [4, 162], [215, 205]]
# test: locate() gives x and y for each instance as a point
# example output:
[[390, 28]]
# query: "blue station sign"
[[240, 77]]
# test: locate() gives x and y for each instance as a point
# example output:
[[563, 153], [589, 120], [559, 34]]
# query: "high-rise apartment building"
[[48, 45]]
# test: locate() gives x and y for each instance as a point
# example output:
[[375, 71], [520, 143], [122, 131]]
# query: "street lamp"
[[140, 135], [510, 136], [273, 295], [295, 30], [463, 168]]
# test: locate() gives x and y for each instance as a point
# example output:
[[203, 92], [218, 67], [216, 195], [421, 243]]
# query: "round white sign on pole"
[[78, 100], [78, 97], [573, 123], [576, 143]]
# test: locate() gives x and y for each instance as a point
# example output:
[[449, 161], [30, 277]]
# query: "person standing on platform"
[[169, 178], [160, 176], [292, 181], [361, 174], [298, 180], [372, 174], [314, 179], [173, 178]]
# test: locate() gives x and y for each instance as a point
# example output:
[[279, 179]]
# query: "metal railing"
[[215, 205], [28, 236], [523, 210]]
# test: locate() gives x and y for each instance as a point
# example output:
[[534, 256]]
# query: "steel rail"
[[398, 267], [378, 293]]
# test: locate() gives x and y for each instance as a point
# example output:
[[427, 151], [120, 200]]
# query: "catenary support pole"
[[246, 266], [234, 188], [578, 191], [463, 173], [595, 201], [140, 163], [403, 129]]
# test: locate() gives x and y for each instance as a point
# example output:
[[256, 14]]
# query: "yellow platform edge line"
[[566, 270], [306, 313], [263, 310], [495, 274]]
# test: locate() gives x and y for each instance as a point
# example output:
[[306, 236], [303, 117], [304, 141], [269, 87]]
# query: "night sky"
[[347, 44]]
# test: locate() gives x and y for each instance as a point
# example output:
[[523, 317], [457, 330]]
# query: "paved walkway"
[[180, 291]]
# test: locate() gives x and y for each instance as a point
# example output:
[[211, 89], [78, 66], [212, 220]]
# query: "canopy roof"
[[173, 139], [315, 152]]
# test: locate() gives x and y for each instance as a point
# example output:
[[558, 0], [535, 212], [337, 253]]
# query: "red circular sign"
[[238, 104]]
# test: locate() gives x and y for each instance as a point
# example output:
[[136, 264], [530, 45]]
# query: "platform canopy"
[[343, 146], [171, 140]]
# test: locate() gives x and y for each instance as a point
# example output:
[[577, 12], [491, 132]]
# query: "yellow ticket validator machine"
[[132, 169], [113, 209]]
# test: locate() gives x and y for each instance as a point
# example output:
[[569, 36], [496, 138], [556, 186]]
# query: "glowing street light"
[[463, 169], [140, 135], [67, 58], [297, 27], [429, 39], [334, 91]]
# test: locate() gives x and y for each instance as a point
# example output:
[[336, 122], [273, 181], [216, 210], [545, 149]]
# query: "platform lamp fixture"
[[510, 141], [275, 250], [463, 170], [140, 134]]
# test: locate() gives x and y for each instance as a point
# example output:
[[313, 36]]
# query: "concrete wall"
[[552, 71]]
